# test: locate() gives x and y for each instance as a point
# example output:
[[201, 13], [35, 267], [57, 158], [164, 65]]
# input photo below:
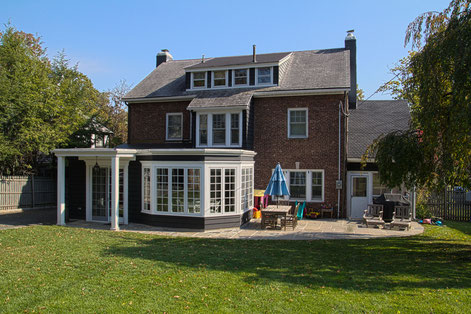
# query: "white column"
[[88, 194], [115, 193], [61, 191], [125, 194]]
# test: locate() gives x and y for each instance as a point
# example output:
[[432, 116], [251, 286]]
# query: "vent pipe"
[[254, 54]]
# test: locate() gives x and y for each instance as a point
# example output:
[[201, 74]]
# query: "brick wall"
[[147, 121], [318, 151]]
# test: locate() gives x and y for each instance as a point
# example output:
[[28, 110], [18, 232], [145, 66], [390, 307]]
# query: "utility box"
[[338, 184]]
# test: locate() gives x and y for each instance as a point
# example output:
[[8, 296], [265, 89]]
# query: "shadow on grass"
[[464, 227], [366, 265]]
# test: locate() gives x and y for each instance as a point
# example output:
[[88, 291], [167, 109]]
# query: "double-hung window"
[[199, 79], [235, 128], [203, 129], [241, 77], [306, 185], [297, 184], [174, 126], [264, 76], [219, 78], [219, 129], [297, 123]]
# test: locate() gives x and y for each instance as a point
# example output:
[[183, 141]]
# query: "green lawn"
[[56, 269]]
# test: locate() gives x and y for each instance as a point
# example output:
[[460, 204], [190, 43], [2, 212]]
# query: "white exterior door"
[[358, 195]]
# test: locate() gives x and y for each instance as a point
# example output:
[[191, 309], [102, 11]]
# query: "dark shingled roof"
[[222, 98], [373, 118], [311, 69], [239, 60]]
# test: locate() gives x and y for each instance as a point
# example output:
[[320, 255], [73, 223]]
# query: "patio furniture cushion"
[[373, 215]]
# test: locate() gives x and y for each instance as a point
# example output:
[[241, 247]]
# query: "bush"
[[422, 211]]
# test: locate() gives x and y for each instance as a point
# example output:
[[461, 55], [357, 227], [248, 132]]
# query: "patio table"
[[274, 210]]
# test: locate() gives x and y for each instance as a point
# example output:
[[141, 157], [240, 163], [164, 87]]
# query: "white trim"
[[226, 79], [115, 193], [308, 172], [61, 191], [168, 114], [264, 84], [289, 122], [300, 92]]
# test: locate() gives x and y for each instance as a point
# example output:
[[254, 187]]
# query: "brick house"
[[203, 133]]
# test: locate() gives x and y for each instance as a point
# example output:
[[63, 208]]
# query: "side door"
[[358, 195]]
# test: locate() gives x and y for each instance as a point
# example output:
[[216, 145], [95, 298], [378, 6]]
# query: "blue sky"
[[118, 40]]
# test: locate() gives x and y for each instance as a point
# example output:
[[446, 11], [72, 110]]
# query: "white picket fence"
[[27, 192]]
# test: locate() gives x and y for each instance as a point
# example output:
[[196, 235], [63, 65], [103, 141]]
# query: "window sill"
[[297, 137]]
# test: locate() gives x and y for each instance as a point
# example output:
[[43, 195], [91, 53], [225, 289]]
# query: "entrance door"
[[358, 195], [101, 195]]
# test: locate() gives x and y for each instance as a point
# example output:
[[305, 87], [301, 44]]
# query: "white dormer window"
[[264, 76], [241, 77], [199, 79], [219, 78]]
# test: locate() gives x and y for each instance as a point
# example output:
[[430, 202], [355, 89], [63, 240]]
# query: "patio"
[[320, 229]]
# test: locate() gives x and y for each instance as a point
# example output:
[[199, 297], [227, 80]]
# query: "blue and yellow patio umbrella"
[[277, 185]]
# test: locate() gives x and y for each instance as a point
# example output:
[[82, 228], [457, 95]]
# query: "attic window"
[[241, 77], [199, 79], [264, 76], [219, 78]]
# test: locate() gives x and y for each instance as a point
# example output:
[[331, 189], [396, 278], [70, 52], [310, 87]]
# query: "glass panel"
[[219, 129], [240, 77], [174, 128], [246, 189], [194, 190], [235, 129], [297, 120], [162, 189], [229, 190], [316, 186], [204, 129], [298, 185], [199, 79], [215, 200], [359, 186], [146, 180], [99, 194], [219, 78], [264, 75], [178, 190]]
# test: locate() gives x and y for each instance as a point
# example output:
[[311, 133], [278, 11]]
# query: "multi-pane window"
[[174, 126], [316, 186], [241, 77], [199, 79], [219, 129], [219, 78], [146, 188], [297, 123], [194, 190], [215, 199], [162, 189], [235, 129], [229, 190], [298, 184], [247, 188], [203, 129], [264, 76], [178, 190]]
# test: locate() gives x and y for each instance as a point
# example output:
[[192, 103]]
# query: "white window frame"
[[210, 129], [212, 79], [167, 125], [233, 77], [237, 185], [271, 76], [143, 190], [193, 80], [309, 172], [289, 122], [250, 189]]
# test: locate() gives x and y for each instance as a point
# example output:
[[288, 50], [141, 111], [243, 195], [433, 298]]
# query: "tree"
[[41, 102], [360, 94], [436, 81]]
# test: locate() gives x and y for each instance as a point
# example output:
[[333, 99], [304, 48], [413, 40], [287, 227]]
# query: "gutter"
[[301, 92], [158, 99]]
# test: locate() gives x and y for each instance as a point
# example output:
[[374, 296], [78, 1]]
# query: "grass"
[[57, 269]]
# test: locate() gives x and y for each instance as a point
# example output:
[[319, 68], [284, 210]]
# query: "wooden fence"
[[451, 204], [27, 192]]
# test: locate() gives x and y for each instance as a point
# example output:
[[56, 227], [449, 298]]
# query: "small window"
[[174, 126], [235, 129], [297, 184], [359, 186], [297, 123], [241, 77], [203, 129], [219, 79], [263, 76], [199, 79], [316, 186], [219, 129]]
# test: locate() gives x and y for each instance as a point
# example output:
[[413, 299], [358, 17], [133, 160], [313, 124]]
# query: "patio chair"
[[269, 220], [402, 218], [291, 220], [373, 215]]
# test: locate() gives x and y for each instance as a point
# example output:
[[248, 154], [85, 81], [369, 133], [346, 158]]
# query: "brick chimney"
[[351, 44], [163, 56]]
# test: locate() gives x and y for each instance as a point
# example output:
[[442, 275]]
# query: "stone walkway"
[[326, 229]]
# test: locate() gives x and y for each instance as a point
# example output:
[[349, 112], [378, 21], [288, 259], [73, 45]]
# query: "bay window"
[[246, 197], [219, 129], [235, 128], [203, 127], [222, 190]]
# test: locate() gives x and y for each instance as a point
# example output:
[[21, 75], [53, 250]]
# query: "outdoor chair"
[[291, 220], [373, 216], [269, 220], [402, 217]]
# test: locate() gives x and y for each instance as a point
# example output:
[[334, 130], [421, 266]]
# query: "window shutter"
[[188, 80], [252, 76], [229, 78], [208, 83], [276, 71]]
